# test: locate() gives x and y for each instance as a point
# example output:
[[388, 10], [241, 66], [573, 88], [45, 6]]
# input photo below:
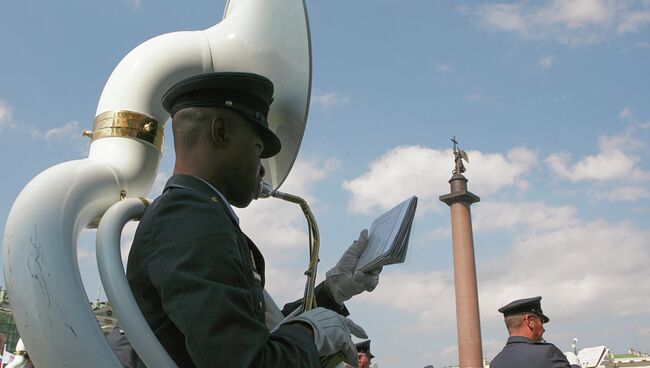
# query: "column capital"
[[459, 196], [459, 192]]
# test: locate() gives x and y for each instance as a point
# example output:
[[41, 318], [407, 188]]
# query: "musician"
[[122, 347], [364, 354], [525, 347], [198, 279]]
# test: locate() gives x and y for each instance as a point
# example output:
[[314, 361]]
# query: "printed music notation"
[[389, 236]]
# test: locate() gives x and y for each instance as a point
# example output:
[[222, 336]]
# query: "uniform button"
[[260, 305]]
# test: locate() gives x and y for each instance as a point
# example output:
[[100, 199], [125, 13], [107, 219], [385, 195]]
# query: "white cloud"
[[626, 141], [281, 226], [643, 332], [328, 99], [305, 173], [86, 247], [481, 97], [408, 170], [430, 296], [582, 270], [535, 216], [634, 21], [494, 171], [159, 184], [448, 354], [577, 14], [492, 347], [628, 193], [399, 173], [626, 113], [66, 132], [546, 62], [285, 284], [135, 4], [126, 240], [445, 68], [506, 17], [609, 165], [6, 115], [566, 21], [590, 263], [615, 161], [438, 233]]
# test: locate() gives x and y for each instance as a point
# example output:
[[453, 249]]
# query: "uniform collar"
[[520, 339], [231, 212], [197, 184]]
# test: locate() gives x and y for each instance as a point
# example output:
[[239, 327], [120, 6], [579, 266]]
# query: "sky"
[[550, 99]]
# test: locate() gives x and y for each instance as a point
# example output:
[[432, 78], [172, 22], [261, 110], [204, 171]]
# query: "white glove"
[[332, 333], [344, 281]]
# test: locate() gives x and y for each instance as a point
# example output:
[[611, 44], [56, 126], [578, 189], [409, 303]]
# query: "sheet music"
[[388, 236]]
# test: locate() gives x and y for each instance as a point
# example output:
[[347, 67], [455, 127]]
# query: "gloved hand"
[[331, 332], [344, 281]]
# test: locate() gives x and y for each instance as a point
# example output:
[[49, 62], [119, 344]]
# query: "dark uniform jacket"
[[120, 344], [199, 283], [521, 352]]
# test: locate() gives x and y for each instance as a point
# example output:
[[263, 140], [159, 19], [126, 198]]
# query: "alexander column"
[[468, 321]]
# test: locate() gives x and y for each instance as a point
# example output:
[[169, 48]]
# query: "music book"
[[388, 237]]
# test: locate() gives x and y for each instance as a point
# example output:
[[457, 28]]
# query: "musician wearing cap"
[[198, 279], [365, 356], [525, 347]]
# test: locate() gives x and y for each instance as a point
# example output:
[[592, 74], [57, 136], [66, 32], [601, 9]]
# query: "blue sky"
[[549, 98]]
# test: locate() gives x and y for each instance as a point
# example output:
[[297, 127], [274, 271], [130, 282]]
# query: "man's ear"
[[220, 130], [529, 324]]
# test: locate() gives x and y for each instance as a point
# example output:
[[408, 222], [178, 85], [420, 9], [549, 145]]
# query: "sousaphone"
[[50, 306]]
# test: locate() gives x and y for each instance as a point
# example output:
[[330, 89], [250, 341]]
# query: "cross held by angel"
[[459, 156]]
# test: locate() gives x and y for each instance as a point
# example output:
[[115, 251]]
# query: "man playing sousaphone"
[[198, 279]]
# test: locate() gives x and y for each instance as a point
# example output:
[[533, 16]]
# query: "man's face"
[[364, 361], [536, 325], [244, 169]]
